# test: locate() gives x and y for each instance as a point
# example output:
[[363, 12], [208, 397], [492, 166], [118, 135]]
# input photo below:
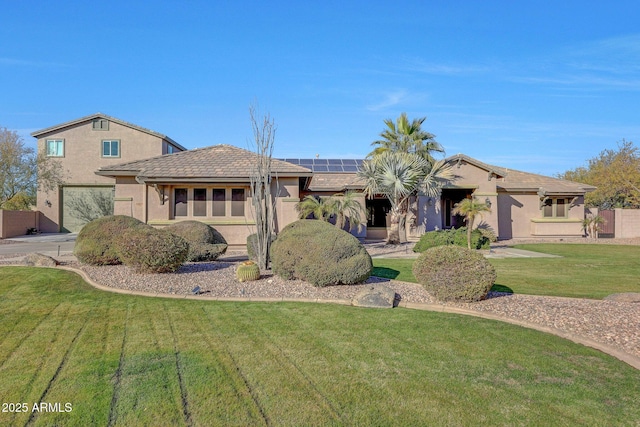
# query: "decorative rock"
[[624, 297], [375, 296], [40, 260]]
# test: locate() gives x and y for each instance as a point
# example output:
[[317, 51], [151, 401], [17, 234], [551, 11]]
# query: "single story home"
[[149, 176]]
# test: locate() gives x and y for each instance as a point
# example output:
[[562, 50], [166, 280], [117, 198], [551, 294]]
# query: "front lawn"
[[125, 360], [584, 271]]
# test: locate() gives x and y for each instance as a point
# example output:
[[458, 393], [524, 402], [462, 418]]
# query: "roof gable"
[[211, 164], [515, 180], [86, 119]]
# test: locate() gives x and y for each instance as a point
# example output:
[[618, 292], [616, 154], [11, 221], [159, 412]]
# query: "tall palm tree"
[[398, 176], [470, 208], [407, 137], [316, 206], [346, 207]]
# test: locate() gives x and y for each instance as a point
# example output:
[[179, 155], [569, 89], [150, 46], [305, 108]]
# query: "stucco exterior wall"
[[83, 156], [627, 223], [520, 217], [16, 223]]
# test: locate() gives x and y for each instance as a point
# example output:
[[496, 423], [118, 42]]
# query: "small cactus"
[[247, 271]]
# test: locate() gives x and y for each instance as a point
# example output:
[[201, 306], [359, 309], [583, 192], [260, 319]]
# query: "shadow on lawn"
[[387, 273], [501, 288]]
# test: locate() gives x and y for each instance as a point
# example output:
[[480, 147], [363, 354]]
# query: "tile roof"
[[211, 164], [515, 180], [335, 182], [91, 117]]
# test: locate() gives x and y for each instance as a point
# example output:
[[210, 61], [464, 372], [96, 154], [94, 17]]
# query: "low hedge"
[[95, 244], [319, 253], [454, 273], [458, 236]]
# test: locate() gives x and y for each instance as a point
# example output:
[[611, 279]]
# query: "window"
[[555, 208], [237, 202], [111, 148], [180, 202], [219, 207], [100, 124], [55, 147], [199, 202]]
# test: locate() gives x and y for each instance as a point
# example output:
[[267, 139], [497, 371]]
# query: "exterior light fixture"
[[487, 202]]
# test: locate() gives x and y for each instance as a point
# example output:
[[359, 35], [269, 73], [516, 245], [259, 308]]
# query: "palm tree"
[[316, 206], [470, 208], [346, 207], [407, 137], [398, 176]]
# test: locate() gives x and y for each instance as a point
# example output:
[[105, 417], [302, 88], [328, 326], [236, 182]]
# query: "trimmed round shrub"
[[454, 273], [205, 242], [319, 253], [252, 243], [148, 250], [95, 244]]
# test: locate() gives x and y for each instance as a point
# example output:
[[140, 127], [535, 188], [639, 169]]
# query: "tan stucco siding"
[[521, 217], [83, 156]]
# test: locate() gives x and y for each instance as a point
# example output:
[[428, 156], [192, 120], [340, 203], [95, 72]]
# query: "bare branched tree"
[[22, 171], [263, 204]]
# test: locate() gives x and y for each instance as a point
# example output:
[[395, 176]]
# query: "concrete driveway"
[[52, 244]]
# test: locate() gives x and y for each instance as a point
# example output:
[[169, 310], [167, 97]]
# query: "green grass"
[[584, 271], [125, 360]]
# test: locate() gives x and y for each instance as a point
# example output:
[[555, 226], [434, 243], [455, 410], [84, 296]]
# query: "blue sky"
[[539, 86]]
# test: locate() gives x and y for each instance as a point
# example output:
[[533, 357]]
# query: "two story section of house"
[[83, 146]]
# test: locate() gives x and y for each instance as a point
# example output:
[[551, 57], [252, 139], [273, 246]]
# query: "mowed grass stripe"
[[179, 369], [70, 349], [288, 360], [148, 389], [244, 390], [280, 392], [30, 369]]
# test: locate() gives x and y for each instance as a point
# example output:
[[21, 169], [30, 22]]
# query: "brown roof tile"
[[213, 163]]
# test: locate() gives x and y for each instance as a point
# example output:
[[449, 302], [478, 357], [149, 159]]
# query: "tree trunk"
[[469, 228], [393, 232]]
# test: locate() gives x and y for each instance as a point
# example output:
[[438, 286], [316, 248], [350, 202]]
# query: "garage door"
[[83, 204]]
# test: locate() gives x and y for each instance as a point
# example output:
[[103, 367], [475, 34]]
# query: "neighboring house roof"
[[218, 163], [515, 180], [56, 128]]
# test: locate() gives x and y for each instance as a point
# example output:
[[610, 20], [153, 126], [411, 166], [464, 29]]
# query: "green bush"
[[480, 239], [205, 242], [95, 244], [319, 253], [252, 242], [454, 273], [148, 250]]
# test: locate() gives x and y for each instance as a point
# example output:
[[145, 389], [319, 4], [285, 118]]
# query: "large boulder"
[[375, 296], [40, 260]]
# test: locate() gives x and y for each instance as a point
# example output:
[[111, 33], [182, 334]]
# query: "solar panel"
[[328, 165]]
